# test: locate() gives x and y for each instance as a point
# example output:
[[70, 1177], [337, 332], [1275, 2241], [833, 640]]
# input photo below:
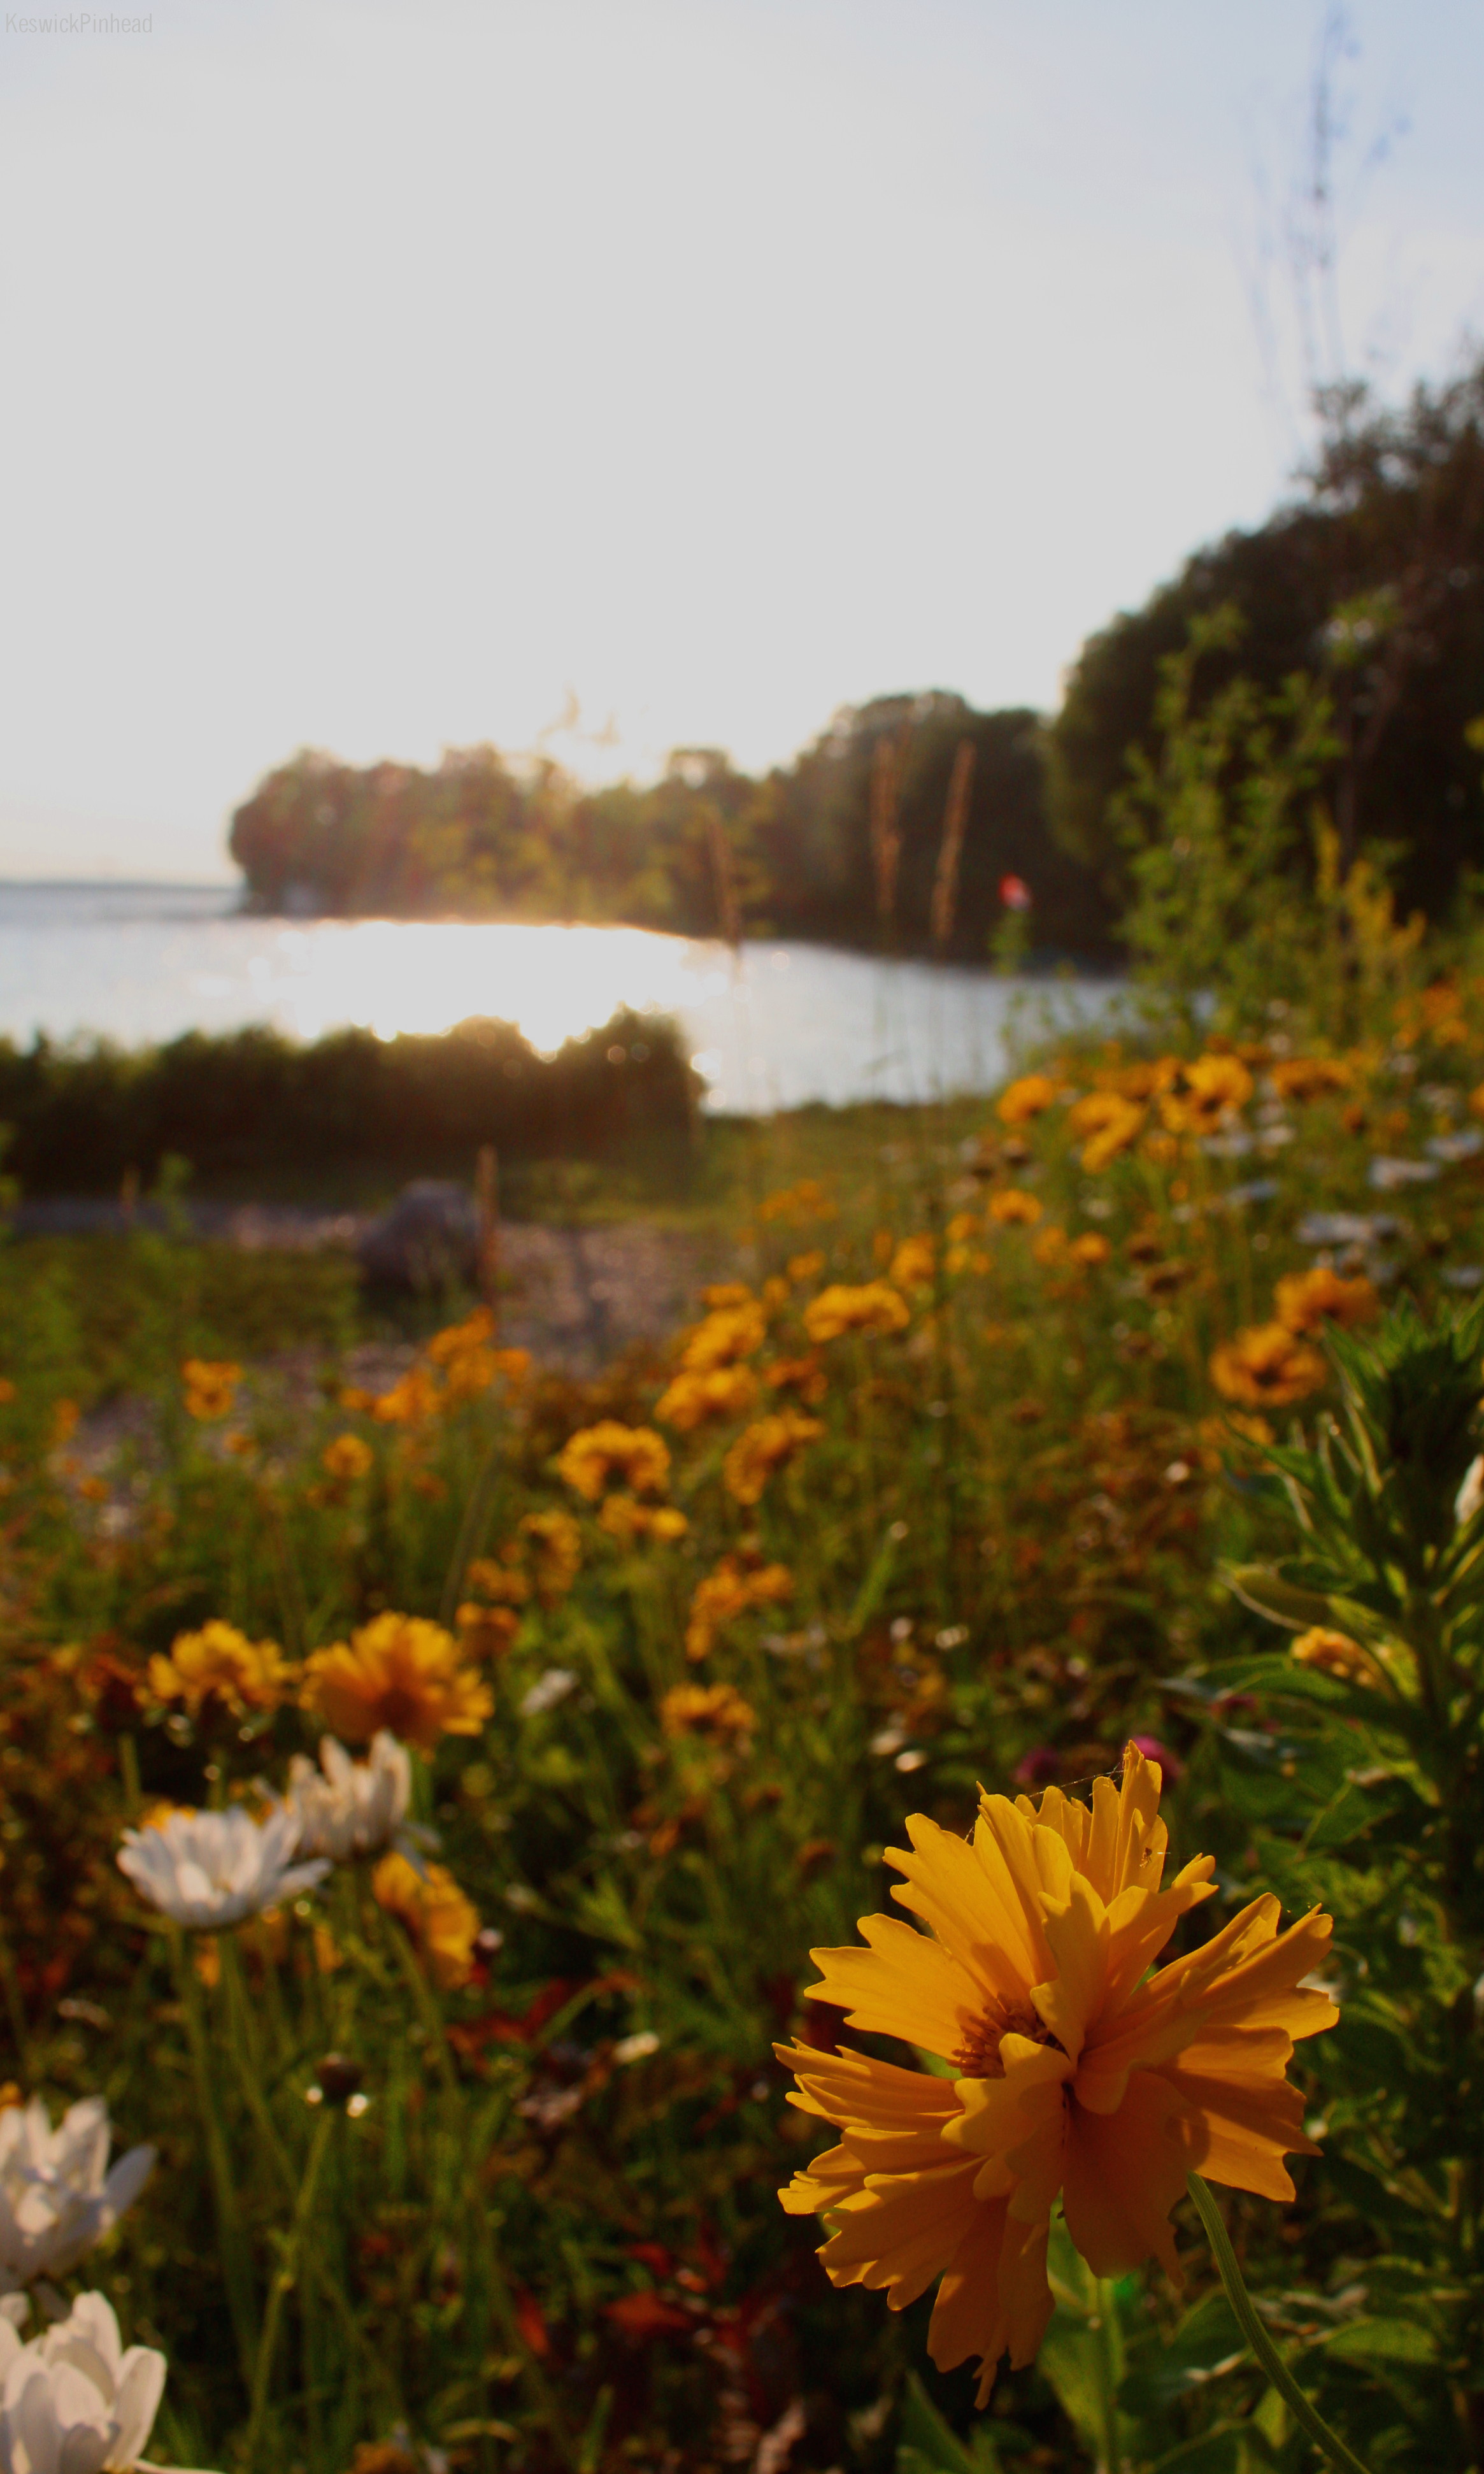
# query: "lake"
[[782, 1025]]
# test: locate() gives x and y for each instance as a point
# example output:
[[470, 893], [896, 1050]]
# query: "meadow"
[[487, 1752]]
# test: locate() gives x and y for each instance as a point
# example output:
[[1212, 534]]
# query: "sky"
[[607, 376]]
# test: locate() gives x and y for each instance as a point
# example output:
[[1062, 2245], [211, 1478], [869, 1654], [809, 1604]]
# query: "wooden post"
[[487, 1201]]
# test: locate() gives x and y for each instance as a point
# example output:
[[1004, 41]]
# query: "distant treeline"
[[252, 1105], [1371, 580]]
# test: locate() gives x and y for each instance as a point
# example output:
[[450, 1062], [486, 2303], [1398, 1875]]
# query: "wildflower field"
[[1060, 1545]]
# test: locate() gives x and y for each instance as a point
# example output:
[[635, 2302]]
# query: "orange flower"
[[555, 1549], [717, 1710], [693, 1399], [1108, 1122], [410, 1403], [732, 1589], [486, 1632], [442, 1922], [1078, 2072], [762, 1447], [805, 1375], [805, 1267], [625, 1519], [498, 1580], [1207, 1090], [1029, 1096], [805, 1200], [1306, 1300], [1267, 1366], [211, 1386], [347, 1456], [1014, 1206], [1308, 1078], [728, 1333], [398, 1672], [220, 1662], [912, 1265], [1093, 1247], [595, 1456], [457, 1339], [874, 1308]]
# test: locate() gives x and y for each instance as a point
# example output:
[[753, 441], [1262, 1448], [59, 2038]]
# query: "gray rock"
[[428, 1237]]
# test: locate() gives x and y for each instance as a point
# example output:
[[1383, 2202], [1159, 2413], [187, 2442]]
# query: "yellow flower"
[[1091, 1247], [805, 1375], [728, 1333], [625, 1519], [486, 1632], [1267, 1366], [805, 1200], [221, 1661], [1207, 1090], [398, 1672], [457, 1339], [717, 1710], [1029, 1096], [912, 1265], [693, 1399], [762, 1447], [1333, 1653], [592, 1458], [443, 1922], [1014, 1206], [347, 1456], [1109, 1122], [555, 1549], [410, 1403], [1079, 2072], [498, 1580], [874, 1308], [805, 1267], [8, 1388], [1306, 1300], [1050, 1246], [1308, 1078], [726, 1293], [211, 1386], [732, 1589]]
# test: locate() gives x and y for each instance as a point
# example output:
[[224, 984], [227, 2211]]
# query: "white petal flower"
[[73, 2401], [349, 1807], [547, 1690], [208, 1870], [57, 2195]]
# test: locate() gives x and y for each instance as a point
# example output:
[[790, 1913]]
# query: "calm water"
[[790, 1023]]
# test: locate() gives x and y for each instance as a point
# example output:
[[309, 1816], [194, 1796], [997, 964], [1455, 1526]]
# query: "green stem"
[[234, 2259], [1107, 2387], [282, 2283], [1328, 2442], [470, 1529]]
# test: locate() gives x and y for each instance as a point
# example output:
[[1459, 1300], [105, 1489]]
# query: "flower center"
[[978, 2058]]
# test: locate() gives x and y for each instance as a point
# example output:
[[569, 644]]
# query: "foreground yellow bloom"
[[1306, 1300], [220, 1662], [211, 1386], [875, 1306], [762, 1447], [1029, 1096], [443, 1922], [1267, 1365], [1081, 2074], [398, 1672], [596, 1456]]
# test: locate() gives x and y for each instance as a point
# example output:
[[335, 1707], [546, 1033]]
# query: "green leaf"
[[1278, 1600], [1381, 2341], [928, 2444]]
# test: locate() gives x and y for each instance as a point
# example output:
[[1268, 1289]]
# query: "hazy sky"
[[382, 375]]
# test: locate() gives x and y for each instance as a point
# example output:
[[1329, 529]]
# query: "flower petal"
[[1124, 2174]]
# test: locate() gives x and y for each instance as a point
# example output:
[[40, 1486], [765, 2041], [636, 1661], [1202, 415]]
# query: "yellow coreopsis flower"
[[625, 1519], [443, 1922], [1031, 1096], [1081, 2074], [211, 1386], [1267, 1365], [1106, 1122], [912, 1265], [398, 1672], [762, 1447], [220, 1662], [1304, 1300], [596, 1456], [1012, 1206], [716, 1712], [347, 1456], [728, 1333], [875, 1306], [554, 1544], [693, 1399]]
